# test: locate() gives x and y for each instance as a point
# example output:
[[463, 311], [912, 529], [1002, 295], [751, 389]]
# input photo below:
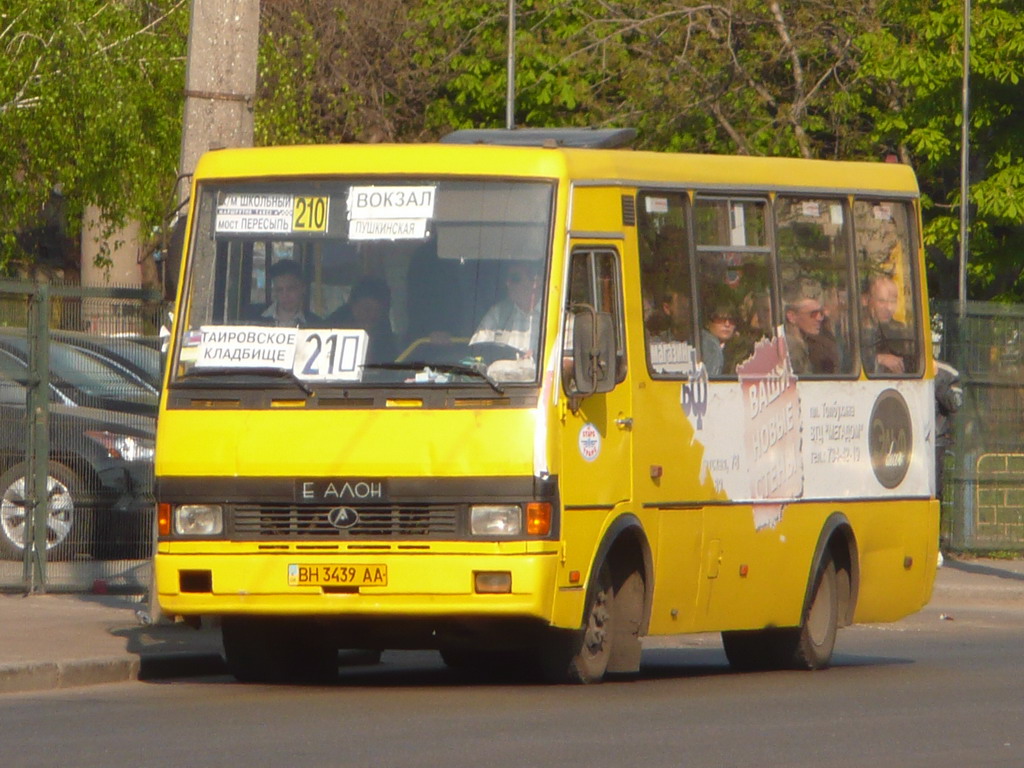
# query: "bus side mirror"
[[592, 365]]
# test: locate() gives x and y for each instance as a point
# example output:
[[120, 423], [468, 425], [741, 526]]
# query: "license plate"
[[319, 575]]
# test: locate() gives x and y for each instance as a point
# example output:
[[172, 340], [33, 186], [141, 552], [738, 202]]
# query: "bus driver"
[[515, 320]]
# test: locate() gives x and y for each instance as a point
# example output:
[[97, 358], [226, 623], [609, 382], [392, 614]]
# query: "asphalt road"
[[943, 688]]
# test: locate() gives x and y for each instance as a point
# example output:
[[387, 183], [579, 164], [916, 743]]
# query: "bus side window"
[[665, 283], [890, 326], [734, 278], [814, 274]]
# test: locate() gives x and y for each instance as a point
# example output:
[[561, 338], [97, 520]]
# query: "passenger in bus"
[[369, 307], [718, 331], [288, 293], [886, 343], [755, 320], [670, 319], [811, 343], [514, 321]]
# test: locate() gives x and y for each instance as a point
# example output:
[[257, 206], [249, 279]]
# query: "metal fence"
[[983, 499], [79, 385]]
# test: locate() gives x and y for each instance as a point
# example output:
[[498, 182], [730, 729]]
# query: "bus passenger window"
[[890, 324], [814, 275], [734, 280], [665, 283]]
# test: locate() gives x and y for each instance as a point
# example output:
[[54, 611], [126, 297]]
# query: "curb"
[[52, 675]]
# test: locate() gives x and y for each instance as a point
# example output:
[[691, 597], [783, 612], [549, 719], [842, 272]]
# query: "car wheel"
[[63, 487]]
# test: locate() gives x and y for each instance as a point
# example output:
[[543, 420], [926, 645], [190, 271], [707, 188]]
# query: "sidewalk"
[[63, 641]]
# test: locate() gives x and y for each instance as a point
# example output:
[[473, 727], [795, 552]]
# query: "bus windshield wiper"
[[278, 373], [465, 370]]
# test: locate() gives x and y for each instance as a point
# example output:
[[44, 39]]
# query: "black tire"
[[581, 656], [277, 651], [627, 624], [808, 646], [64, 514]]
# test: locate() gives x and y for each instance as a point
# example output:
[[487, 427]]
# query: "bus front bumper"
[[406, 585]]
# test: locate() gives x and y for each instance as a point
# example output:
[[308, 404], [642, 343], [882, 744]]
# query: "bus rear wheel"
[[808, 646]]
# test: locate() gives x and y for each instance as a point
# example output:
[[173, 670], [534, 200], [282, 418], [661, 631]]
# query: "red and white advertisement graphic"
[[772, 422]]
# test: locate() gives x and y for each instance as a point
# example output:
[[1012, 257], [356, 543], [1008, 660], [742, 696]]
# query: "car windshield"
[[367, 283], [134, 358], [78, 377]]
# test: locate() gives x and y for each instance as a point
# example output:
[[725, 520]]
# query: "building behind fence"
[[983, 506]]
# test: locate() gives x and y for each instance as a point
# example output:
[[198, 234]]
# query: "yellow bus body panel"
[[400, 442]]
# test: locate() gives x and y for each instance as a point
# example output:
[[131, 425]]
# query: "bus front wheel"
[[581, 656]]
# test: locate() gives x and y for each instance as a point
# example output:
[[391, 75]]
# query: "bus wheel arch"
[[616, 610], [829, 600], [838, 543], [828, 604]]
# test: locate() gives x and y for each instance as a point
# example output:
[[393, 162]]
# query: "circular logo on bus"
[[890, 438], [589, 442], [342, 517]]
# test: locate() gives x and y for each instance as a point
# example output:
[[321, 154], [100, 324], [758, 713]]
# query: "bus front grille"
[[294, 521]]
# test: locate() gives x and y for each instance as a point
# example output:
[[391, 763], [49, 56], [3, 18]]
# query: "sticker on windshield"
[[245, 346], [313, 354], [262, 214], [390, 213], [330, 355]]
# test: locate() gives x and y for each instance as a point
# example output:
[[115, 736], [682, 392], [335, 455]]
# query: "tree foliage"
[[912, 63], [90, 114], [90, 99]]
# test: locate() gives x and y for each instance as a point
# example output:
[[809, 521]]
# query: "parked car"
[[78, 377], [99, 487], [135, 356], [101, 430]]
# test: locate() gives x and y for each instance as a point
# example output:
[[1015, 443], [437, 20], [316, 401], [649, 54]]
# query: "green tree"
[[90, 114], [911, 66], [810, 78]]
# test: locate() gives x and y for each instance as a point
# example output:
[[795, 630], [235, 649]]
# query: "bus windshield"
[[400, 282]]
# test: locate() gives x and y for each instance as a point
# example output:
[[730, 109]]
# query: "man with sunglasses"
[[812, 346]]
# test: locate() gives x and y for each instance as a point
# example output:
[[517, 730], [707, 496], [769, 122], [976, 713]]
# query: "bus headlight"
[[198, 520], [495, 520]]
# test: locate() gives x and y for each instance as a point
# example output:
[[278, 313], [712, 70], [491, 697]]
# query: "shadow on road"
[[983, 569], [423, 669]]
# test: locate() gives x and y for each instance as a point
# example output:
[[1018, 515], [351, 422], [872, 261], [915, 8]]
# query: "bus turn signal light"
[[163, 519], [538, 518]]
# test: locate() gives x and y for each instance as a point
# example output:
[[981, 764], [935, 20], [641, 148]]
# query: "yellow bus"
[[533, 396]]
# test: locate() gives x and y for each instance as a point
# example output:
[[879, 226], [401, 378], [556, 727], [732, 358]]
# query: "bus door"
[[597, 427]]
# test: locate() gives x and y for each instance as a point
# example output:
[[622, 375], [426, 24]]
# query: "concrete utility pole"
[[220, 89], [220, 78]]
